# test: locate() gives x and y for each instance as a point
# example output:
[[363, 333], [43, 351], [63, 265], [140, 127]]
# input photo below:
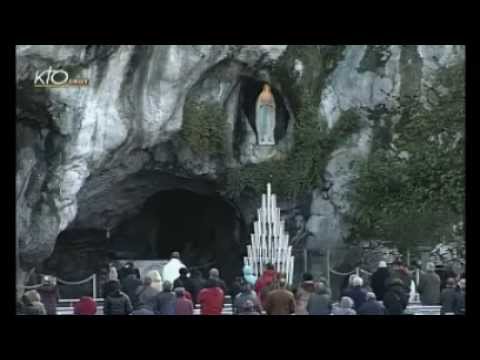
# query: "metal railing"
[[92, 277]]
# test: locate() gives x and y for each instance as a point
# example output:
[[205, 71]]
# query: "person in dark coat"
[[49, 295], [32, 303], [345, 307], [448, 298], [236, 287], [303, 293], [108, 287], [246, 294], [183, 281], [357, 293], [319, 302], [198, 283], [379, 280], [459, 307], [215, 275], [145, 295], [130, 285], [448, 273], [117, 302], [371, 306], [248, 309], [165, 300], [142, 309], [124, 271], [19, 308], [395, 298], [429, 286], [399, 271]]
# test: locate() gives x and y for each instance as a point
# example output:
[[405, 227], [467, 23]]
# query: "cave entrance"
[[204, 227], [207, 230]]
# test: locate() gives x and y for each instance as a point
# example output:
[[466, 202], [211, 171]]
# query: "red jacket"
[[183, 306], [261, 286], [267, 277], [86, 306], [211, 301]]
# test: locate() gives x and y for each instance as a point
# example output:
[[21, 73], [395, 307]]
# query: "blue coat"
[[371, 307], [358, 295], [248, 275]]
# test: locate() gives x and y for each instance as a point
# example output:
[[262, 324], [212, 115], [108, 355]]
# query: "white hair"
[[350, 279], [33, 296], [214, 272], [154, 275], [371, 295], [357, 281], [346, 302], [113, 274], [430, 266], [156, 279]]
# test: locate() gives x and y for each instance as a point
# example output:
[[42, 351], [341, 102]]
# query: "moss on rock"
[[414, 199], [301, 171], [204, 127]]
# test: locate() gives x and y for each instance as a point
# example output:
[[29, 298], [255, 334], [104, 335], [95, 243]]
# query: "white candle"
[[273, 209], [269, 206], [274, 227], [286, 270], [290, 268], [279, 229], [279, 259], [254, 262]]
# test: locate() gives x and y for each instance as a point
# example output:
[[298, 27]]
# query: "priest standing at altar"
[[171, 271]]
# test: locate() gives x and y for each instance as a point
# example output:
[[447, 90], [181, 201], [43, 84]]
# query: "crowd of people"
[[178, 290]]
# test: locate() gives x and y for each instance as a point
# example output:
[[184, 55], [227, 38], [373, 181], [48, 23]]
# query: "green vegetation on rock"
[[302, 169], [411, 187], [204, 127]]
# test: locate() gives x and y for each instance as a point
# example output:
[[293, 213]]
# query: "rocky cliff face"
[[89, 157]]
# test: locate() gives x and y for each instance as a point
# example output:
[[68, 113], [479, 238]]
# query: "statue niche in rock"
[[265, 117]]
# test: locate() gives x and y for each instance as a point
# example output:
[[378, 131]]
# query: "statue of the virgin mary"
[[265, 117]]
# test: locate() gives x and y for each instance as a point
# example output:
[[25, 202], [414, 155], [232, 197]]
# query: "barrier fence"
[[92, 277]]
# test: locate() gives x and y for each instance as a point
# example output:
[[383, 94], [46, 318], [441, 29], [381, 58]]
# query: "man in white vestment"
[[171, 269]]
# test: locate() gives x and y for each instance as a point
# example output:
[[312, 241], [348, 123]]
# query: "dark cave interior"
[[206, 229]]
